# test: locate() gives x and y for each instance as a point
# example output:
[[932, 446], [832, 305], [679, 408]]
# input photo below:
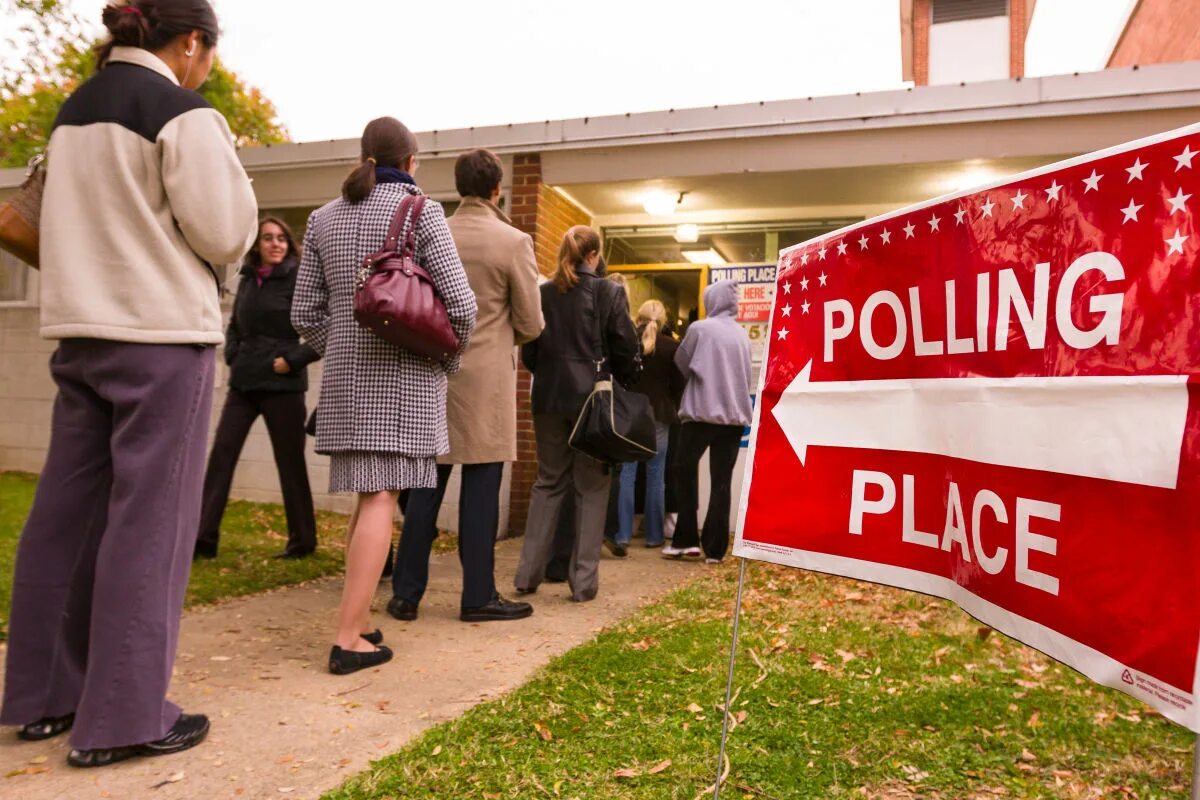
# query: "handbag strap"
[[411, 205], [598, 355]]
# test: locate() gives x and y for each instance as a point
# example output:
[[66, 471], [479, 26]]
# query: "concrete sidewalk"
[[285, 728]]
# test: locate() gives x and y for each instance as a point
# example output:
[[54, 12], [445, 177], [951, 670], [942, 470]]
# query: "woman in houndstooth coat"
[[382, 415]]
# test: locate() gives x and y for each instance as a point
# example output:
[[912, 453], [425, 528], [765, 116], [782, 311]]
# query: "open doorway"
[[677, 286]]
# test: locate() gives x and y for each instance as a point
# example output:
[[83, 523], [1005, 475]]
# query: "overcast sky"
[[331, 66]]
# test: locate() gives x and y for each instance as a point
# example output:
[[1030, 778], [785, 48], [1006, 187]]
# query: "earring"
[[191, 51]]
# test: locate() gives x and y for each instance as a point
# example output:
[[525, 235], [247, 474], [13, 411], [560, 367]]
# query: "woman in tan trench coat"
[[481, 404]]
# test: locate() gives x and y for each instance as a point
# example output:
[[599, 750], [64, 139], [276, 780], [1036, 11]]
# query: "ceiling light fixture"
[[687, 233], [709, 257], [661, 204]]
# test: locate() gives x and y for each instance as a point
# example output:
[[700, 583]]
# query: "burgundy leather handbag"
[[395, 298]]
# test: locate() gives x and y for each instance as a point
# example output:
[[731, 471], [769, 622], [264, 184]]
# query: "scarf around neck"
[[393, 175]]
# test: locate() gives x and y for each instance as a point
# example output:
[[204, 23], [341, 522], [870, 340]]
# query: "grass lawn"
[[251, 534], [843, 690]]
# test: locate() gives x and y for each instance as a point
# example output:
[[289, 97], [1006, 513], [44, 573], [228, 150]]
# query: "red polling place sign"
[[992, 398]]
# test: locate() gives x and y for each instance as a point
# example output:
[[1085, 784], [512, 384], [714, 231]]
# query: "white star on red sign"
[[1018, 200], [787, 288], [1135, 172], [1093, 182], [1184, 159], [1131, 212], [842, 248], [783, 334], [987, 208], [1052, 192], [805, 306], [908, 230], [960, 215], [862, 243], [1176, 243], [804, 260], [787, 311], [934, 222], [822, 278], [1179, 201], [804, 284], [886, 236], [822, 252]]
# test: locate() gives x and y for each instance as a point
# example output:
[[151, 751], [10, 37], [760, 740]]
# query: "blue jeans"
[[656, 485]]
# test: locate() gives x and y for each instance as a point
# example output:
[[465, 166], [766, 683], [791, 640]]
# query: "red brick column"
[[526, 180], [1018, 30], [922, 19]]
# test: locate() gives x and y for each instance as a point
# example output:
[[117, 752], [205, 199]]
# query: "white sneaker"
[[672, 552], [712, 561]]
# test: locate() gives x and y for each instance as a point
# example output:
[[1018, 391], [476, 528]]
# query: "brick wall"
[[545, 214], [1159, 32], [1018, 30], [922, 17]]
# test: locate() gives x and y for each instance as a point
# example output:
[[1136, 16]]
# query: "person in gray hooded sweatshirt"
[[715, 360]]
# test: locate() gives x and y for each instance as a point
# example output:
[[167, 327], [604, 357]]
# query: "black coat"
[[661, 380], [260, 330], [562, 360]]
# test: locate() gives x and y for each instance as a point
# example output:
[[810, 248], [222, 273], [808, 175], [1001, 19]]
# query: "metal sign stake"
[[737, 614]]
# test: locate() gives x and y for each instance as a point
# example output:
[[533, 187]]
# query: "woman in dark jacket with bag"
[[267, 376], [563, 364]]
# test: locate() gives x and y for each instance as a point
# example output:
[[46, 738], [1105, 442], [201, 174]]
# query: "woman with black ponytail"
[[382, 408], [144, 193]]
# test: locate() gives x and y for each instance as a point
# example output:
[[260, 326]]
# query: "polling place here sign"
[[992, 397]]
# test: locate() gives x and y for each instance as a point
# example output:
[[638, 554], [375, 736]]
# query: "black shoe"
[[375, 637], [293, 555], [528, 591], [344, 662], [187, 732], [204, 550], [46, 728], [498, 609], [555, 578], [616, 548], [401, 609]]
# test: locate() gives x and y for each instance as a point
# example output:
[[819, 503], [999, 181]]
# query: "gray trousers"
[[561, 470], [103, 561]]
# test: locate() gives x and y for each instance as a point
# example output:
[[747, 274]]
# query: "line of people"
[[143, 169]]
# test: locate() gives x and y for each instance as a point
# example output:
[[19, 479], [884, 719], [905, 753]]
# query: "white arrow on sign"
[[1127, 428]]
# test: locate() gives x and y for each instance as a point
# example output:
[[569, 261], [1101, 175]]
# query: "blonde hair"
[[654, 315], [578, 243]]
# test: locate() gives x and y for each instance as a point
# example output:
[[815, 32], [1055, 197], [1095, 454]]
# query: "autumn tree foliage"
[[50, 54]]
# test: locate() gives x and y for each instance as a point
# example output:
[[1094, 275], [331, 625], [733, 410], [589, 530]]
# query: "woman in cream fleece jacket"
[[144, 194]]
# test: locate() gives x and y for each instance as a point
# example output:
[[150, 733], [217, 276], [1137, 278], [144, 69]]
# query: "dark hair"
[[152, 24], [385, 143], [577, 244], [254, 258], [478, 174]]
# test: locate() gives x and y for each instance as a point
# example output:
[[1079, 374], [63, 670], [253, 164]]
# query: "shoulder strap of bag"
[[410, 206], [598, 354]]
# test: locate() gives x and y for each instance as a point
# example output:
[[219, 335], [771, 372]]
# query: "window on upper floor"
[[968, 41]]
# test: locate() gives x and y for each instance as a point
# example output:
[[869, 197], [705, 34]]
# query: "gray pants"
[[103, 561], [560, 470]]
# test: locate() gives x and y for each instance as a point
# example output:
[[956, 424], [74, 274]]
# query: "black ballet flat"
[[187, 732], [344, 662], [46, 728], [375, 637]]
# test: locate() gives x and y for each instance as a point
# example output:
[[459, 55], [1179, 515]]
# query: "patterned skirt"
[[366, 471]]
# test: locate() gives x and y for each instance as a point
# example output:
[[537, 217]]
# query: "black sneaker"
[[187, 732], [498, 609], [402, 609], [375, 637], [616, 548], [206, 550], [293, 555], [344, 662]]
